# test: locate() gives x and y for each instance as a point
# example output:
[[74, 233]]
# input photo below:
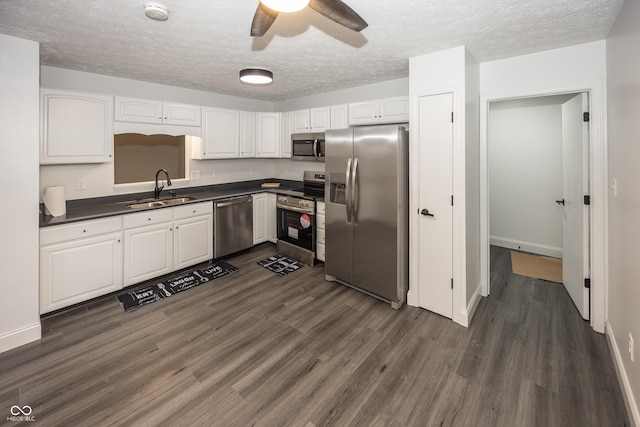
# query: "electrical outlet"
[[81, 184], [614, 187], [631, 346], [195, 175]]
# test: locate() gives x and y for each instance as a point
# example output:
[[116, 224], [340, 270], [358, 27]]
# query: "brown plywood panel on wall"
[[138, 157]]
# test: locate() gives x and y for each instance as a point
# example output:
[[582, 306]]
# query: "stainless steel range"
[[296, 215]]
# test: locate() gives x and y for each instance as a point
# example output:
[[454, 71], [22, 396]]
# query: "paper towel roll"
[[55, 201]]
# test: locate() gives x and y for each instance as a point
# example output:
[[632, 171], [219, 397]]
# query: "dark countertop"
[[102, 207]]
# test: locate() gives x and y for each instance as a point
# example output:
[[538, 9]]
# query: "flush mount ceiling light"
[[285, 5], [156, 11], [256, 76]]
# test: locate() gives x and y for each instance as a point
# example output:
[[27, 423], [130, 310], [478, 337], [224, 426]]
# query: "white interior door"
[[435, 229], [575, 185]]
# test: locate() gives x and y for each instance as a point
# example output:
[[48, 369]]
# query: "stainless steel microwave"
[[307, 146]]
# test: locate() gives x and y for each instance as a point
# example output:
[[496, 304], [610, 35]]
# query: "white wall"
[[472, 184], [525, 174], [388, 89], [59, 78], [623, 70], [572, 69], [437, 73], [19, 86]]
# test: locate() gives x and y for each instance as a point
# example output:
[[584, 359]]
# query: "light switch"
[[81, 184], [195, 175]]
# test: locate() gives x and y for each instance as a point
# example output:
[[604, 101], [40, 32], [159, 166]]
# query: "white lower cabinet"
[[320, 230], [193, 234], [79, 261], [260, 225], [272, 217], [161, 241], [148, 245]]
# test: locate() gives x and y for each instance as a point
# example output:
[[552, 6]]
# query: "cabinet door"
[[319, 119], [220, 134], [339, 116], [192, 241], [268, 138], [394, 110], [287, 131], [361, 113], [78, 270], [138, 110], [259, 218], [300, 121], [148, 252], [247, 134], [272, 217], [75, 127], [174, 113]]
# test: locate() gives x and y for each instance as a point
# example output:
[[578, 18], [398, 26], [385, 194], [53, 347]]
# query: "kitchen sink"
[[160, 203]]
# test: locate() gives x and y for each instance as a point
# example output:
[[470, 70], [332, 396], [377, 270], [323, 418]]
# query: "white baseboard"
[[20, 337], [467, 313], [627, 392], [533, 248]]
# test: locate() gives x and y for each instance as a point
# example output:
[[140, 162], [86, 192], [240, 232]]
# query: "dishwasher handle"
[[225, 203]]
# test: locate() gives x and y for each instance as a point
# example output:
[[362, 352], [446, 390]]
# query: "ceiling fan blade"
[[262, 20], [339, 12]]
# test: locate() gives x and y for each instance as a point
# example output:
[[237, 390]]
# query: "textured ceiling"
[[205, 43]]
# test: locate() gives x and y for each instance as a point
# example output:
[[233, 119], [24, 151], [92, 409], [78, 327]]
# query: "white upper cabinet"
[[387, 110], [247, 134], [287, 130], [75, 127], [151, 111], [220, 135], [319, 119], [339, 116], [268, 135], [311, 120]]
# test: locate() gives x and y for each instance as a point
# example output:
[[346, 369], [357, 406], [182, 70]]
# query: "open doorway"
[[538, 167]]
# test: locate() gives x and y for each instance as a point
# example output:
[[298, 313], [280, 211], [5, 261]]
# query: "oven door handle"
[[295, 209], [348, 189]]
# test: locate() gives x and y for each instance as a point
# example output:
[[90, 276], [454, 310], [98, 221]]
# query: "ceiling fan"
[[335, 10]]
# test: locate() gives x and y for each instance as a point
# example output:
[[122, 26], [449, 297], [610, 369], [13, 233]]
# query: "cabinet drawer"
[[147, 217], [320, 251], [320, 208], [194, 209], [77, 230], [320, 219], [320, 236]]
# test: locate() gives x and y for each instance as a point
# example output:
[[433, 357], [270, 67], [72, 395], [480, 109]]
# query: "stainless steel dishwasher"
[[232, 225]]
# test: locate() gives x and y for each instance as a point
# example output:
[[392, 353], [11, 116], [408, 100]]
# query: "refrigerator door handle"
[[348, 189], [354, 191]]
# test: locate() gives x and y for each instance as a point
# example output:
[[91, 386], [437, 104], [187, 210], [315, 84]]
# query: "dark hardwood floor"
[[252, 348]]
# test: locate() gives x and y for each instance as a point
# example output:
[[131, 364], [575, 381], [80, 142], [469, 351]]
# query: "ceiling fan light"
[[256, 76], [286, 5]]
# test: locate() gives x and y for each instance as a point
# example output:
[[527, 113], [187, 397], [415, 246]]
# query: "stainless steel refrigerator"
[[366, 199]]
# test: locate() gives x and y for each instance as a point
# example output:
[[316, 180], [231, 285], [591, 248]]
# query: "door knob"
[[560, 202], [426, 212]]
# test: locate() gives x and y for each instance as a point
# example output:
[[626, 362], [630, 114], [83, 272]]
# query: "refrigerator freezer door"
[[338, 228], [377, 204]]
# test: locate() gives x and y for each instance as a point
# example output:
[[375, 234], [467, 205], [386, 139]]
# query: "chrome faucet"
[[157, 190]]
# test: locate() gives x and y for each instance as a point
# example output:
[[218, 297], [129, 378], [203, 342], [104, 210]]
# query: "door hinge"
[[452, 117], [451, 283], [587, 199], [586, 117], [587, 283]]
